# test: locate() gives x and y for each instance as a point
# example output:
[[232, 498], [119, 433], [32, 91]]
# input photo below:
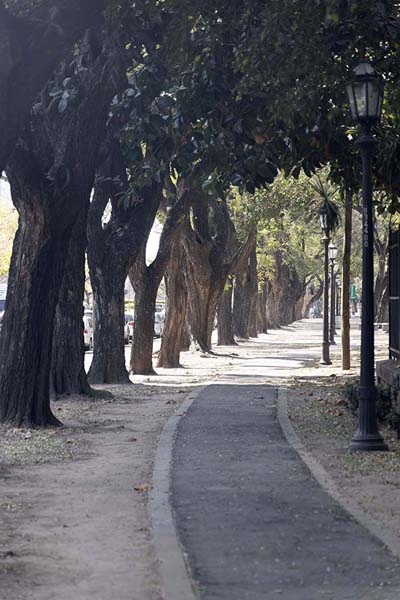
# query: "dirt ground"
[[320, 417], [73, 501]]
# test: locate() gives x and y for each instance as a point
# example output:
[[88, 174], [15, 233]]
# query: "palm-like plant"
[[328, 205]]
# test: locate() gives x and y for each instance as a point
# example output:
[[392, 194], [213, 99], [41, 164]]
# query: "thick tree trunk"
[[37, 266], [68, 374], [51, 176], [186, 337], [225, 316], [348, 217], [262, 321], [112, 249], [146, 281], [108, 364], [381, 289], [176, 309], [253, 331], [284, 289], [312, 296], [245, 299], [203, 298], [143, 333]]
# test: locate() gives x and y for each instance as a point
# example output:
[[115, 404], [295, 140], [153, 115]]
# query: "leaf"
[[142, 487]]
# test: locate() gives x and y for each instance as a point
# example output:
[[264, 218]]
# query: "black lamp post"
[[332, 251], [323, 217], [338, 295], [365, 94]]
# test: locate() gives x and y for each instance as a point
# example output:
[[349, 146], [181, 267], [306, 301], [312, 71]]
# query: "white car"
[[158, 323], [88, 330], [128, 328]]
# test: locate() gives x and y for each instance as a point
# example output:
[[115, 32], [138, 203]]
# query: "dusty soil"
[[73, 501], [320, 416]]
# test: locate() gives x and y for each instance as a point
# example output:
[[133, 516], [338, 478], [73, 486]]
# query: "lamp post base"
[[370, 442], [325, 359]]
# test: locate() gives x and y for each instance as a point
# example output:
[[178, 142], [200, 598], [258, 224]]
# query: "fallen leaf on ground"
[[142, 487]]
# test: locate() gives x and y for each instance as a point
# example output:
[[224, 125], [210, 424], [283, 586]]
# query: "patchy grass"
[[34, 446]]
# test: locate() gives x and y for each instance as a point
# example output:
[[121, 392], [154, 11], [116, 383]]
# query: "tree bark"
[[284, 290], [37, 266], [176, 309], [225, 317], [348, 218], [245, 298], [262, 321], [143, 334], [68, 375], [381, 297], [209, 256], [112, 250], [31, 47], [146, 281], [51, 176]]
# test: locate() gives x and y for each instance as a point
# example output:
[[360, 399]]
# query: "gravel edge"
[[376, 528], [176, 582]]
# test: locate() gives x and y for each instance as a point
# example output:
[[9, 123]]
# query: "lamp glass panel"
[[373, 94], [361, 99], [323, 219], [332, 252], [352, 102]]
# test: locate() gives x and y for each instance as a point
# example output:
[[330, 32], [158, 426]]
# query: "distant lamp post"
[[365, 94], [323, 217], [332, 252], [338, 294]]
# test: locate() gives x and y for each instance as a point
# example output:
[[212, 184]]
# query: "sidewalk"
[[254, 523]]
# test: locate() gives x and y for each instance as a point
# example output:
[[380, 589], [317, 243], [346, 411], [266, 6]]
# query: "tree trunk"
[[284, 289], [262, 321], [203, 297], [51, 175], [348, 217], [108, 364], [112, 249], [68, 375], [381, 286], [225, 317], [146, 281], [176, 309], [245, 298], [37, 266], [143, 333]]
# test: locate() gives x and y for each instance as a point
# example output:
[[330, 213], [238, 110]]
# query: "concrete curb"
[[377, 529], [176, 583]]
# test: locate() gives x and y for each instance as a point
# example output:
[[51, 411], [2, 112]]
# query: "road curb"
[[376, 528], [176, 583]]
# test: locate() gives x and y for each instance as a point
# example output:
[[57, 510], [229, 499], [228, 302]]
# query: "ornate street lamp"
[[323, 217], [332, 251], [365, 94]]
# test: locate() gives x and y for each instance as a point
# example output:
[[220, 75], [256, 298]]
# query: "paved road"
[[253, 521]]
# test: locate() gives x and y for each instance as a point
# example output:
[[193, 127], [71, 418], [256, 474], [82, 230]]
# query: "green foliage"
[[286, 214]]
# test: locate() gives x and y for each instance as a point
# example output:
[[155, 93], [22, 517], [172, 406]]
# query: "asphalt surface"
[[252, 520]]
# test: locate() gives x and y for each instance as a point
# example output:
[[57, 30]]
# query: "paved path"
[[254, 523]]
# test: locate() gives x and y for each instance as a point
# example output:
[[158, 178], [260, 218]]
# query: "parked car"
[[88, 330], [128, 330], [158, 323]]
